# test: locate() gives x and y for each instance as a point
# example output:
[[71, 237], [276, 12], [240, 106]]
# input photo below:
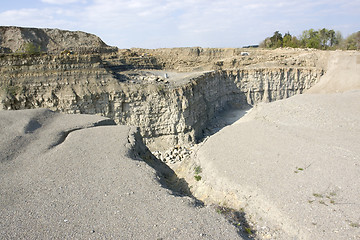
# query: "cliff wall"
[[167, 114]]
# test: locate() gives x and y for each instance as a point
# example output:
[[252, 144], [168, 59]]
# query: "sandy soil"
[[294, 165], [71, 177], [343, 73]]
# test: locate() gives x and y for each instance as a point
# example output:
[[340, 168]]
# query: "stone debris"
[[152, 78], [173, 155]]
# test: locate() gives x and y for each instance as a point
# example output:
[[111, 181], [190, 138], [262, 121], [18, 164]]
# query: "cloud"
[[43, 18], [18, 17], [168, 23], [150, 23], [63, 2]]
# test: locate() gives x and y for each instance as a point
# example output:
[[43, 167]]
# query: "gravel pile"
[[173, 155]]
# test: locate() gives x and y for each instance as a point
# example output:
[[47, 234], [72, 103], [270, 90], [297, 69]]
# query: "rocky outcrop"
[[167, 114], [14, 39]]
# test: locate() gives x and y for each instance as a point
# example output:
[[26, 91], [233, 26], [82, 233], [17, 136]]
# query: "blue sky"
[[183, 23]]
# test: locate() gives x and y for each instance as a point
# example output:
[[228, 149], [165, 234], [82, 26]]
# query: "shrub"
[[31, 48]]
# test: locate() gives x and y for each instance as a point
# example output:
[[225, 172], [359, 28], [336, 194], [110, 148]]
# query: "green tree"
[[276, 40], [287, 40], [352, 42], [320, 39], [310, 39], [332, 38], [266, 43], [324, 37], [290, 41], [295, 42], [338, 38]]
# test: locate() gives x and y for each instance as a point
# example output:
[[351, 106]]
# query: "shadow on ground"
[[229, 115]]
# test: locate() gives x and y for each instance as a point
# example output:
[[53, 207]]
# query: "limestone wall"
[[166, 114]]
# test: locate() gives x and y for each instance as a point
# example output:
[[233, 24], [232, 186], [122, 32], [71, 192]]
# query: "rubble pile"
[[173, 155]]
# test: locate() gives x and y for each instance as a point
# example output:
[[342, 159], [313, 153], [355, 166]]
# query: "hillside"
[[14, 39]]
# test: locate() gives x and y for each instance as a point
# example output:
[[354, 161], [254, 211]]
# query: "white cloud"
[[166, 23], [43, 18], [254, 6], [62, 2]]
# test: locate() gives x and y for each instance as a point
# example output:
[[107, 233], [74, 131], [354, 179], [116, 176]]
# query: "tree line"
[[320, 39]]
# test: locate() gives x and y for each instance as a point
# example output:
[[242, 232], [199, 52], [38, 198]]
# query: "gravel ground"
[[294, 164], [71, 176]]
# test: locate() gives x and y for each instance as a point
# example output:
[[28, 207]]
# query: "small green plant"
[[223, 210], [248, 230], [197, 177], [325, 199], [353, 224], [357, 225], [298, 169], [198, 170], [317, 195], [236, 217]]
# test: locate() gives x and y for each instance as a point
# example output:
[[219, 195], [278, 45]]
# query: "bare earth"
[[294, 165], [72, 177]]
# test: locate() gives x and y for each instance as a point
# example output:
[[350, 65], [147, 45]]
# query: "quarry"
[[212, 126], [129, 86]]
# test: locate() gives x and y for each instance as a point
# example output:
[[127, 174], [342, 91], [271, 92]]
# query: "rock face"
[[168, 111], [171, 94], [13, 39], [166, 114]]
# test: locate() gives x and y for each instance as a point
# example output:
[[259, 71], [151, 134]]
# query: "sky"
[[183, 23]]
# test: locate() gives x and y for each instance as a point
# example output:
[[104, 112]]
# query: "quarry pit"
[[211, 125]]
